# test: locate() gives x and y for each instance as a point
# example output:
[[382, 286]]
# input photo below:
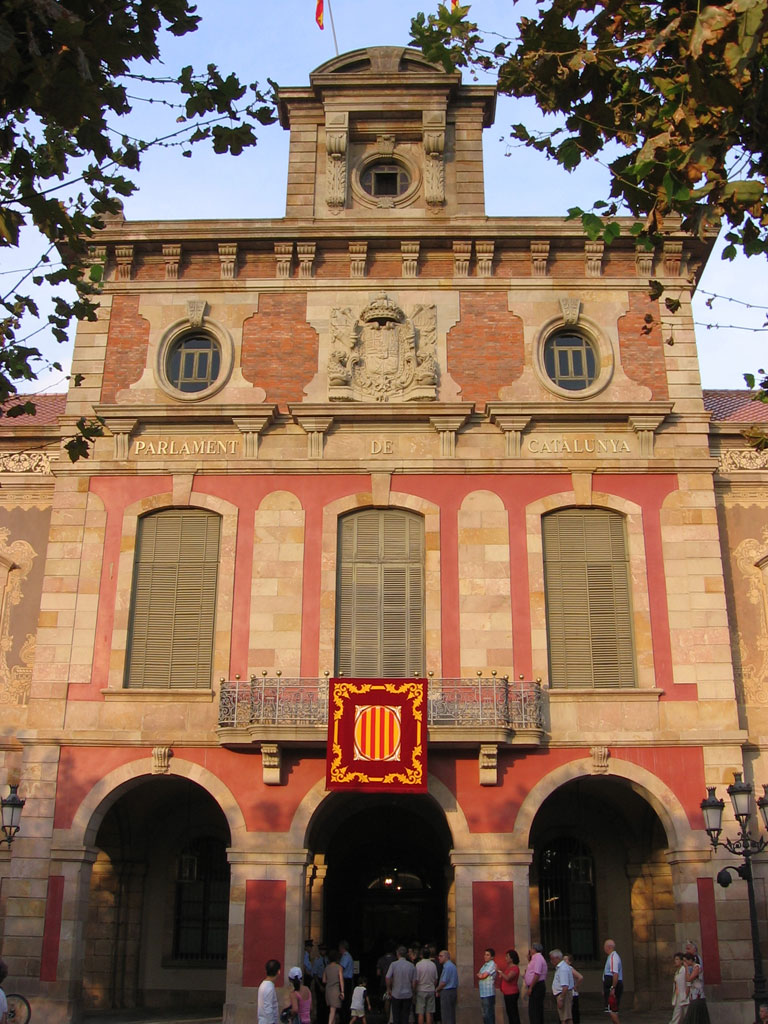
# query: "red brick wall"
[[485, 348], [280, 347], [126, 348], [642, 355]]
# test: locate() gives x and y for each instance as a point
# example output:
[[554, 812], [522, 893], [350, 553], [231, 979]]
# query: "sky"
[[280, 40]]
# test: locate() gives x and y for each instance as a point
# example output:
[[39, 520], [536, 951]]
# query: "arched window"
[[173, 604], [589, 609], [380, 594], [567, 898]]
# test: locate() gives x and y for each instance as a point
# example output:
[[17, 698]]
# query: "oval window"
[[570, 361], [385, 180], [193, 363]]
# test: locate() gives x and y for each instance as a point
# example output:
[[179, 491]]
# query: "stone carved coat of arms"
[[383, 355]]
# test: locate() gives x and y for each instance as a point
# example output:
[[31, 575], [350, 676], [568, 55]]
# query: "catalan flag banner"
[[319, 13], [377, 735]]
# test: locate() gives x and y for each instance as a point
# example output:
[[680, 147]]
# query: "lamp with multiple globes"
[[12, 806], [746, 847]]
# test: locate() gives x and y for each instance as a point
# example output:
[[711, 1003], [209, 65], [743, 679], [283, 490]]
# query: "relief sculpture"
[[383, 355], [751, 558], [15, 563]]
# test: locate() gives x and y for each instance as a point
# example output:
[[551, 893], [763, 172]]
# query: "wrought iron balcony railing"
[[264, 703]]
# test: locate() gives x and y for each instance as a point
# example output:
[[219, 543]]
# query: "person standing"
[[267, 1008], [400, 978], [679, 991], [347, 965], [510, 986], [562, 986], [697, 1012], [300, 997], [613, 980], [487, 986], [536, 983], [424, 985], [319, 964], [447, 987], [333, 979], [577, 980]]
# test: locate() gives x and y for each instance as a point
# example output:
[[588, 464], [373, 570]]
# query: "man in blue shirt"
[[347, 965], [447, 988]]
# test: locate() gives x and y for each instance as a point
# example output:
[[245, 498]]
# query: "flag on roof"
[[319, 14]]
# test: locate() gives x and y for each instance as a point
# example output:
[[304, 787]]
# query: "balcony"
[[460, 712]]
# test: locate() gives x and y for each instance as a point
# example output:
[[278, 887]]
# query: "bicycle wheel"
[[19, 1010]]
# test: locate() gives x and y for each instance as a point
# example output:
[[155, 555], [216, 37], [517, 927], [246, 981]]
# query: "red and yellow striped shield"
[[377, 732]]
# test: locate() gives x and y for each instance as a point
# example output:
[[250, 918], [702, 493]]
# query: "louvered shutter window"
[[380, 594], [589, 608], [173, 606]]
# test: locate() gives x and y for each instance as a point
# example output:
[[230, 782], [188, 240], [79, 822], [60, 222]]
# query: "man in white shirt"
[[268, 1010], [613, 980], [562, 986]]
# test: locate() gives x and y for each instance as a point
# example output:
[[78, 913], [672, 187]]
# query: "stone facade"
[[383, 346]]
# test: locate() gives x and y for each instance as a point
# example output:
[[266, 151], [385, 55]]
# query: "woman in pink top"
[[510, 985], [301, 998]]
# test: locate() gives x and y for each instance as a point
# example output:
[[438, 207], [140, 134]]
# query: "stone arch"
[[392, 499], [583, 495], [108, 790], [663, 800], [304, 815], [180, 496]]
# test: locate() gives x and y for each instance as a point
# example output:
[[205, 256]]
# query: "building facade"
[[381, 437]]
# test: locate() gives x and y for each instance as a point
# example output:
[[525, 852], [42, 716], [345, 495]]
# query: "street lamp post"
[[745, 847], [12, 806]]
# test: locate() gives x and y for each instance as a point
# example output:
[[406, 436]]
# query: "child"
[[360, 1001]]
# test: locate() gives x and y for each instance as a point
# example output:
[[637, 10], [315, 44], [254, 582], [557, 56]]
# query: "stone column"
[[475, 872], [266, 919], [316, 873]]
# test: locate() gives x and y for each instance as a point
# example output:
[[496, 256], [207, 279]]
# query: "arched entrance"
[[156, 929], [387, 872], [599, 871]]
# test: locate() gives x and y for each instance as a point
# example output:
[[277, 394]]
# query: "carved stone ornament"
[[336, 135], [600, 757], [383, 355], [196, 312], [161, 760], [25, 462], [16, 561], [743, 458], [434, 162], [571, 310]]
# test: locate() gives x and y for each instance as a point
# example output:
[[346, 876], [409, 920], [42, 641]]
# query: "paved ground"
[[203, 1017]]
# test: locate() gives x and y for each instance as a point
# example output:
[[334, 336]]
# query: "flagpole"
[[333, 28]]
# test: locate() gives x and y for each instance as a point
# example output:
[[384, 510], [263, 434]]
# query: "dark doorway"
[[388, 873], [156, 930]]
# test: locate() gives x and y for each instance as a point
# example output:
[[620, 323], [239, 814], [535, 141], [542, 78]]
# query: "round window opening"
[[570, 361], [385, 180], [193, 363]]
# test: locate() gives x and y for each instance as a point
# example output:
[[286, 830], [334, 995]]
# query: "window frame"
[[377, 574], [602, 347], [149, 579], [174, 335], [574, 637]]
